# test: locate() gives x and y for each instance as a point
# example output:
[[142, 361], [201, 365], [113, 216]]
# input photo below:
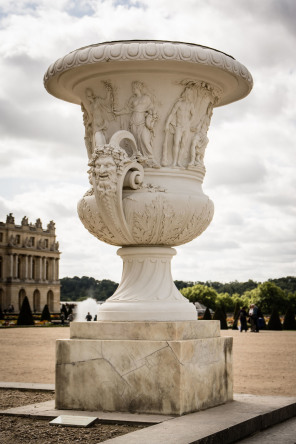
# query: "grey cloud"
[[279, 200], [216, 245], [235, 172], [40, 124], [278, 11], [232, 219]]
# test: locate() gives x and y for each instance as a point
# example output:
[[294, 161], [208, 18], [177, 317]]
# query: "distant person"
[[253, 313], [95, 318], [62, 318], [88, 317], [70, 317], [243, 319]]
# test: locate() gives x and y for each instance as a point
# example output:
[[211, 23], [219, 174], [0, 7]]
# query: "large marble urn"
[[147, 107]]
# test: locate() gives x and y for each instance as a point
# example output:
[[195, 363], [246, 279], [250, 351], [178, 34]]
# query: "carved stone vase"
[[147, 107]]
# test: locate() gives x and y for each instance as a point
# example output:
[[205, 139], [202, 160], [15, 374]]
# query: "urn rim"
[[202, 60]]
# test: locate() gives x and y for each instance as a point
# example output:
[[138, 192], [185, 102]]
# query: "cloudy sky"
[[250, 159]]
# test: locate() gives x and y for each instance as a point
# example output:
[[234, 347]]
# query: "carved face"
[[105, 167], [105, 172], [137, 88]]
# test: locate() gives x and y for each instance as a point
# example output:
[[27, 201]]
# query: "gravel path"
[[16, 430], [263, 364]]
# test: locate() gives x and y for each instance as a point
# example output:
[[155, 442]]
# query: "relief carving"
[[196, 224], [112, 170], [143, 118], [200, 139], [92, 221], [178, 124], [97, 113], [187, 124], [163, 223]]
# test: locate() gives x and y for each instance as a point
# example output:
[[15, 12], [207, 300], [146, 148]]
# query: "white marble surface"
[[146, 109], [153, 331], [144, 376]]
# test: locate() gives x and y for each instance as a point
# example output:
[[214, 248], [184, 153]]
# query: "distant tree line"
[[286, 283], [273, 294], [78, 289]]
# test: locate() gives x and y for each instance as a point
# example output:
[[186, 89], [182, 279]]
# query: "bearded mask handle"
[[112, 170]]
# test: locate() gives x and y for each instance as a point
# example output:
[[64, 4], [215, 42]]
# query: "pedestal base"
[[146, 367], [147, 291]]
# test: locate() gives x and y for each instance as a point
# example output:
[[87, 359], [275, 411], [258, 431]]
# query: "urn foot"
[[147, 291]]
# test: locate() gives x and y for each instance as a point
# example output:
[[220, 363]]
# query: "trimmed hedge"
[[289, 320], [207, 315], [219, 315], [45, 315], [25, 317], [274, 321]]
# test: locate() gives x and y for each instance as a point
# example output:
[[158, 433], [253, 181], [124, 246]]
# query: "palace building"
[[29, 265]]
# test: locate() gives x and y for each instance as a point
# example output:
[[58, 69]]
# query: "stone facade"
[[29, 265]]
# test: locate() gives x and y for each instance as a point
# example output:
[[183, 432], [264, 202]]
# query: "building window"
[[33, 269], [36, 301], [46, 270], [1, 237], [22, 295], [50, 301], [18, 238], [19, 267], [46, 243], [1, 265], [32, 241]]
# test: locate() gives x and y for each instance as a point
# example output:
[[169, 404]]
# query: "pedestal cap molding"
[[145, 331], [147, 51]]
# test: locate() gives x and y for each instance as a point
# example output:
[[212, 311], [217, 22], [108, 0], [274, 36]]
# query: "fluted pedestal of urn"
[[147, 290]]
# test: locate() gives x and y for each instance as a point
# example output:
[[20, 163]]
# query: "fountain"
[[89, 305]]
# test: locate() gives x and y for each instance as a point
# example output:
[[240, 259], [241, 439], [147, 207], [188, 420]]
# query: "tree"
[[74, 289], [25, 317], [202, 294], [268, 296], [207, 315], [220, 316], [286, 283], [292, 300], [183, 284], [225, 301], [274, 321], [45, 315], [289, 320], [232, 287]]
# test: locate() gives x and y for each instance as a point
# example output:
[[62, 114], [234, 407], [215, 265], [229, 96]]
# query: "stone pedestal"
[[147, 290], [145, 367]]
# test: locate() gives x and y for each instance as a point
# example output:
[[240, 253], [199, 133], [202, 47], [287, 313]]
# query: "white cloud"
[[250, 159]]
